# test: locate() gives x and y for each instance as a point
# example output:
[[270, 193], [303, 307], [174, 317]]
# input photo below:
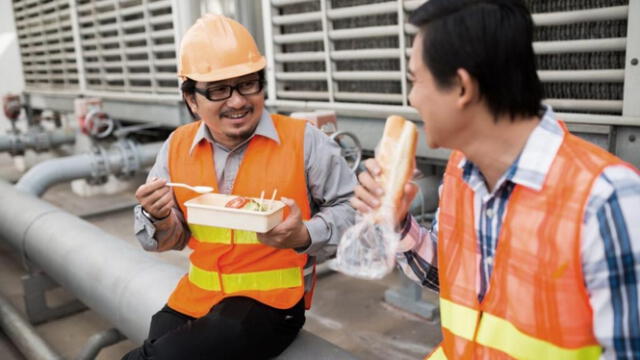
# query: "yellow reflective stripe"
[[262, 280], [207, 280], [458, 319], [501, 335], [210, 234], [438, 354], [245, 237]]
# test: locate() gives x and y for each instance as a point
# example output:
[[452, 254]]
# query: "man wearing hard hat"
[[245, 294]]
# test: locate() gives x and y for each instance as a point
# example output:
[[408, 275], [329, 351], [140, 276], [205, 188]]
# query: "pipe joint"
[[129, 158]]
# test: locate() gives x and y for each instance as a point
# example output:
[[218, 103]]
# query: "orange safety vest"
[[537, 306], [227, 262]]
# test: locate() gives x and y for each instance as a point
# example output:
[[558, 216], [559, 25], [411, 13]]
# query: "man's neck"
[[494, 145]]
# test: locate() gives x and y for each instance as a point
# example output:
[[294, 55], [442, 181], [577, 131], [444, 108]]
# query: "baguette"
[[396, 156]]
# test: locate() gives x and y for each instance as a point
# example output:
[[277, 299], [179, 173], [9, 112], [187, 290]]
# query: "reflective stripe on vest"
[[500, 334], [256, 281], [438, 354], [217, 235]]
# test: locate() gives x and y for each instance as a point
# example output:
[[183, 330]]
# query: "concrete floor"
[[348, 312]]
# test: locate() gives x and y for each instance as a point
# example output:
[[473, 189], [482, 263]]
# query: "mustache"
[[228, 112]]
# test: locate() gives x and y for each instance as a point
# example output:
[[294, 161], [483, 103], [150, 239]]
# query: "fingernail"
[[379, 191]]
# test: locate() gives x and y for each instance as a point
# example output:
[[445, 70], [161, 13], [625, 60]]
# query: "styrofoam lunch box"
[[208, 209]]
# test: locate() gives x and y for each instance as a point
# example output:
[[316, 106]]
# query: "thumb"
[[410, 191], [294, 210]]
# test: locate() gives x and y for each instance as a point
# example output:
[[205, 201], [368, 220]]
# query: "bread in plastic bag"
[[368, 249]]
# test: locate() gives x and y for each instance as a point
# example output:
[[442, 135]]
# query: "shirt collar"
[[531, 167], [265, 128]]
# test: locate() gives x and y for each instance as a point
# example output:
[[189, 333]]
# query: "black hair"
[[492, 40], [188, 88]]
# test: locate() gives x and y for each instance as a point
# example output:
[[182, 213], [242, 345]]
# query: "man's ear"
[[468, 88], [190, 100]]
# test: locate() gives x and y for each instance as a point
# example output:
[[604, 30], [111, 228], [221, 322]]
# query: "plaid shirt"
[[610, 247]]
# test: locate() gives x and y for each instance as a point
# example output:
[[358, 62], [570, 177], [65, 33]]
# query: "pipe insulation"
[[118, 160], [121, 283]]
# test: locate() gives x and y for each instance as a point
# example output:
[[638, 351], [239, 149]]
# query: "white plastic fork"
[[198, 189]]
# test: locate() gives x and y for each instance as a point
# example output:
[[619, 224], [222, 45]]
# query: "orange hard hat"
[[218, 48]]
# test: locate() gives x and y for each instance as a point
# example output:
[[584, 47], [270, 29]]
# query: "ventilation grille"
[[46, 44], [580, 47], [128, 45]]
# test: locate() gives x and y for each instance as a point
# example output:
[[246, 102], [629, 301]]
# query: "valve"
[[92, 120], [350, 148], [98, 124], [327, 122], [11, 106]]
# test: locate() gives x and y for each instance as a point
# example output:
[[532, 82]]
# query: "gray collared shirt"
[[330, 183]]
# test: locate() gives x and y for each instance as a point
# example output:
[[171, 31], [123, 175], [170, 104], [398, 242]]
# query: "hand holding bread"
[[385, 187]]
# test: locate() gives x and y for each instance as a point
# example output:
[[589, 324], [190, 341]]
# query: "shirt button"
[[490, 260], [490, 213]]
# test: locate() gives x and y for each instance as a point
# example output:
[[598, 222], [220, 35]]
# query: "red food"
[[237, 203]]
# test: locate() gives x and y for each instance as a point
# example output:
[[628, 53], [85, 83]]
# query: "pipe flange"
[[99, 166], [129, 156], [40, 140], [17, 145]]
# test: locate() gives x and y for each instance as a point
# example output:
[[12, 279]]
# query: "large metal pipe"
[[117, 160], [23, 335], [121, 283], [35, 140]]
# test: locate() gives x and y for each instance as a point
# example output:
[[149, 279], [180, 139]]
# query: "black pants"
[[236, 328]]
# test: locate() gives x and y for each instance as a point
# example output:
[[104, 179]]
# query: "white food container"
[[208, 209]]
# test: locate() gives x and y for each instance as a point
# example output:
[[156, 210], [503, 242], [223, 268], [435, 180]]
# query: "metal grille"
[[128, 45], [346, 54], [46, 44]]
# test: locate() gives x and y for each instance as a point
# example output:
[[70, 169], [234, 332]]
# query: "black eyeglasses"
[[223, 92]]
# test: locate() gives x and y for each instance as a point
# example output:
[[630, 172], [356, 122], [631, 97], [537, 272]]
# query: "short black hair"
[[188, 88], [492, 40]]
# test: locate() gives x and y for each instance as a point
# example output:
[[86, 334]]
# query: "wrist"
[[305, 238], [152, 218]]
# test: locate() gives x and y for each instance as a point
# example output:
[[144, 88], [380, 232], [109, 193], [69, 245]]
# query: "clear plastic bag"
[[367, 250]]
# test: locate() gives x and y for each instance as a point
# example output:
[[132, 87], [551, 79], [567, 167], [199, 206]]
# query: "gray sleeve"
[[170, 233], [331, 184]]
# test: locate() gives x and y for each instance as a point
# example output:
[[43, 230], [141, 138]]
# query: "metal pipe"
[[98, 342], [22, 334], [121, 283], [38, 140], [118, 160]]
